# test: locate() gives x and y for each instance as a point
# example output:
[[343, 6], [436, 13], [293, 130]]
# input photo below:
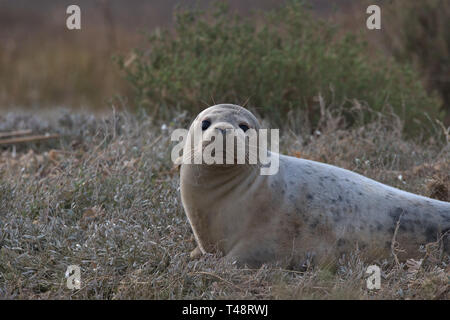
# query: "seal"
[[307, 211]]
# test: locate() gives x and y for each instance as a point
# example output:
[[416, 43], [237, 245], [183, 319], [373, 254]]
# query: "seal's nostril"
[[222, 130]]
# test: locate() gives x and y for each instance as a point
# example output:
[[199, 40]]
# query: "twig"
[[28, 139], [394, 244], [438, 244], [154, 142]]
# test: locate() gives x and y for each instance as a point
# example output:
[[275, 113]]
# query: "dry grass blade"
[[220, 278], [15, 133]]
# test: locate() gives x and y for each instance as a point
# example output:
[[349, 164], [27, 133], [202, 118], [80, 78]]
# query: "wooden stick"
[[28, 139], [15, 133]]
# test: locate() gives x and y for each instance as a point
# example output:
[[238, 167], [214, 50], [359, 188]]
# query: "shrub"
[[419, 32], [277, 62]]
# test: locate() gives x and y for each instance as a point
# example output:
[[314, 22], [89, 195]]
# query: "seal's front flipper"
[[196, 253], [177, 164]]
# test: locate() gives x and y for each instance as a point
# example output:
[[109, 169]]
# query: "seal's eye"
[[244, 127], [205, 124]]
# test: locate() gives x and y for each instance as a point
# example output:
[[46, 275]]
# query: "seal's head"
[[227, 128], [226, 116]]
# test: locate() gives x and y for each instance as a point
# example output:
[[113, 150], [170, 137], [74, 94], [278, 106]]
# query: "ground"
[[106, 197]]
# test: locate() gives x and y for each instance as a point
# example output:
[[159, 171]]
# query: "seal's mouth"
[[224, 152], [220, 158]]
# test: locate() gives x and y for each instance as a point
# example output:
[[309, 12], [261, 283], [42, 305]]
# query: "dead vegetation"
[[104, 197]]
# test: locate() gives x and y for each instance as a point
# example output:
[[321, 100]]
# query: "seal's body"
[[307, 209]]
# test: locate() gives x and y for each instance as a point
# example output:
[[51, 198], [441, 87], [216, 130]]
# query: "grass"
[[105, 197]]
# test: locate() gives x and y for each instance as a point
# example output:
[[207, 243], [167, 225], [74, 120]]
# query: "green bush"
[[419, 33], [276, 62]]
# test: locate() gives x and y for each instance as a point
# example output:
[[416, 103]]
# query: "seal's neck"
[[215, 177], [209, 196]]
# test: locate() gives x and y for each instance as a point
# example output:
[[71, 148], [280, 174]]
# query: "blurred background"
[[44, 65]]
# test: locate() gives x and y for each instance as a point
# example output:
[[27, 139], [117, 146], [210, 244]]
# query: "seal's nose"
[[223, 128]]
